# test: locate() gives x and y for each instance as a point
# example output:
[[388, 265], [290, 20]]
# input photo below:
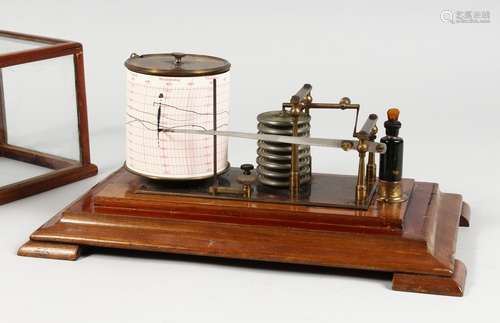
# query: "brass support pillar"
[[365, 173], [361, 185], [361, 182], [371, 167], [299, 103]]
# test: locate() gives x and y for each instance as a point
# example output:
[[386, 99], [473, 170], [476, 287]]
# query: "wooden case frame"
[[65, 170]]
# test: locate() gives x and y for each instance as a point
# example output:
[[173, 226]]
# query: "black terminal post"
[[391, 163]]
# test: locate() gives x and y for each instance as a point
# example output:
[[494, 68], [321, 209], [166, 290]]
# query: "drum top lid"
[[177, 64]]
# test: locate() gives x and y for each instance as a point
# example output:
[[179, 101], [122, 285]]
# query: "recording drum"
[[176, 91]]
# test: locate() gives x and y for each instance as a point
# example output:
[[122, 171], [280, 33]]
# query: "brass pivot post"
[[298, 103], [364, 136], [371, 167], [361, 183]]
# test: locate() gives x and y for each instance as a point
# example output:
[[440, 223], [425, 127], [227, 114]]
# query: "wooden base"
[[415, 239]]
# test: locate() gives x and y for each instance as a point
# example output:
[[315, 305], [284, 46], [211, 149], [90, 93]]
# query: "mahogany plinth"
[[415, 239]]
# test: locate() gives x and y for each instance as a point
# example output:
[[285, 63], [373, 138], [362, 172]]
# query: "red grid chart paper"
[[155, 103]]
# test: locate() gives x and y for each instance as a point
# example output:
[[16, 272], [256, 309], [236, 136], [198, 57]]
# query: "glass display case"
[[44, 140]]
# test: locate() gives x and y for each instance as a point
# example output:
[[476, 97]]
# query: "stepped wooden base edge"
[[415, 240], [429, 284], [51, 250], [405, 282]]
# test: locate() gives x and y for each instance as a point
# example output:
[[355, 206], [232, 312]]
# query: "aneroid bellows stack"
[[275, 159]]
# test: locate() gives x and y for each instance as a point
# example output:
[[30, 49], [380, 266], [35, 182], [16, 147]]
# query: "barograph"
[[178, 193]]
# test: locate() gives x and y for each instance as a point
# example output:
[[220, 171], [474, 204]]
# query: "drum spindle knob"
[[178, 57]]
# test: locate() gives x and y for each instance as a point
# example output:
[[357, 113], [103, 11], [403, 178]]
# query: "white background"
[[444, 78]]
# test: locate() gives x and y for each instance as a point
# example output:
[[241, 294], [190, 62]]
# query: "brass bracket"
[[302, 102], [247, 179], [225, 190], [244, 190], [366, 175]]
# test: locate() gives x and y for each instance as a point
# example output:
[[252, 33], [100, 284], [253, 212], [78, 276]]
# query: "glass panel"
[[41, 110], [9, 45], [41, 115], [14, 171]]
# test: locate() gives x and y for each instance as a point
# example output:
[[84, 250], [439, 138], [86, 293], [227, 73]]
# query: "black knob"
[[247, 168]]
